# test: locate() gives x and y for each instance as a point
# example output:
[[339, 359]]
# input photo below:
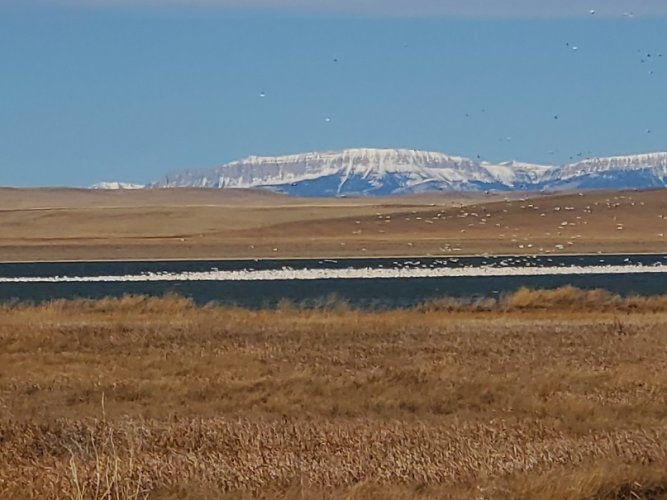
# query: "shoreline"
[[330, 258]]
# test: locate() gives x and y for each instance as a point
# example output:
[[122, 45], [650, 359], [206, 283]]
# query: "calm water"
[[45, 281]]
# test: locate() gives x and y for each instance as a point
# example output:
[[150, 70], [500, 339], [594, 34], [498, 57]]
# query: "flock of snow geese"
[[396, 269], [645, 57], [483, 217], [535, 260], [546, 237]]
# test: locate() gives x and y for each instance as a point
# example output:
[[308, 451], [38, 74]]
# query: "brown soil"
[[183, 224]]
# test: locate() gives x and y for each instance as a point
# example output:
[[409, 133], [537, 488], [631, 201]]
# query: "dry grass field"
[[547, 395], [61, 224]]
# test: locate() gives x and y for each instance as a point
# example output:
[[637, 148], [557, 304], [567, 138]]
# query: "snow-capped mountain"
[[116, 185], [518, 175], [402, 171], [361, 172], [634, 171]]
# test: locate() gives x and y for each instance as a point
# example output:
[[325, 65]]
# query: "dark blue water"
[[119, 268], [359, 292]]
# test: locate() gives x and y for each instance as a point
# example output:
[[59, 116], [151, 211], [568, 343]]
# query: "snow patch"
[[116, 185]]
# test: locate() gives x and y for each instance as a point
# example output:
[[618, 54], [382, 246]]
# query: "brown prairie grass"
[[563, 299], [539, 395]]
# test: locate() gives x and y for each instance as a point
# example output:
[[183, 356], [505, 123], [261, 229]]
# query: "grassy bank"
[[558, 394]]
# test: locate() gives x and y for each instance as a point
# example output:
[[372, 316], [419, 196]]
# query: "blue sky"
[[92, 91]]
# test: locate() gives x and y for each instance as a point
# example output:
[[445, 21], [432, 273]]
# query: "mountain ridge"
[[370, 171], [115, 185]]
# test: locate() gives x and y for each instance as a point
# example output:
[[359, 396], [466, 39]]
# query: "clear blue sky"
[[129, 93]]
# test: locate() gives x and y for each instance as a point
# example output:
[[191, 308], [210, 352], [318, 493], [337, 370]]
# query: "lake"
[[385, 282]]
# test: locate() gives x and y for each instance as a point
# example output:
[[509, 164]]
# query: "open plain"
[[550, 395], [553, 395], [69, 224]]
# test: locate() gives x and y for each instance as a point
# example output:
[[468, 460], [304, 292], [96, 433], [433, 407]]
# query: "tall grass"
[[132, 460], [539, 394], [567, 298]]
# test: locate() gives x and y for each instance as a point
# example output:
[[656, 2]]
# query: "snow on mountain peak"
[[116, 185], [360, 160], [641, 170], [628, 162], [358, 171], [367, 171]]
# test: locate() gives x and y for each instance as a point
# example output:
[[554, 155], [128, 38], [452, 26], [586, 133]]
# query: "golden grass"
[[158, 398], [133, 460], [564, 299]]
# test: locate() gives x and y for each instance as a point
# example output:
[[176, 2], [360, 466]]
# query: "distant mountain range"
[[377, 172]]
